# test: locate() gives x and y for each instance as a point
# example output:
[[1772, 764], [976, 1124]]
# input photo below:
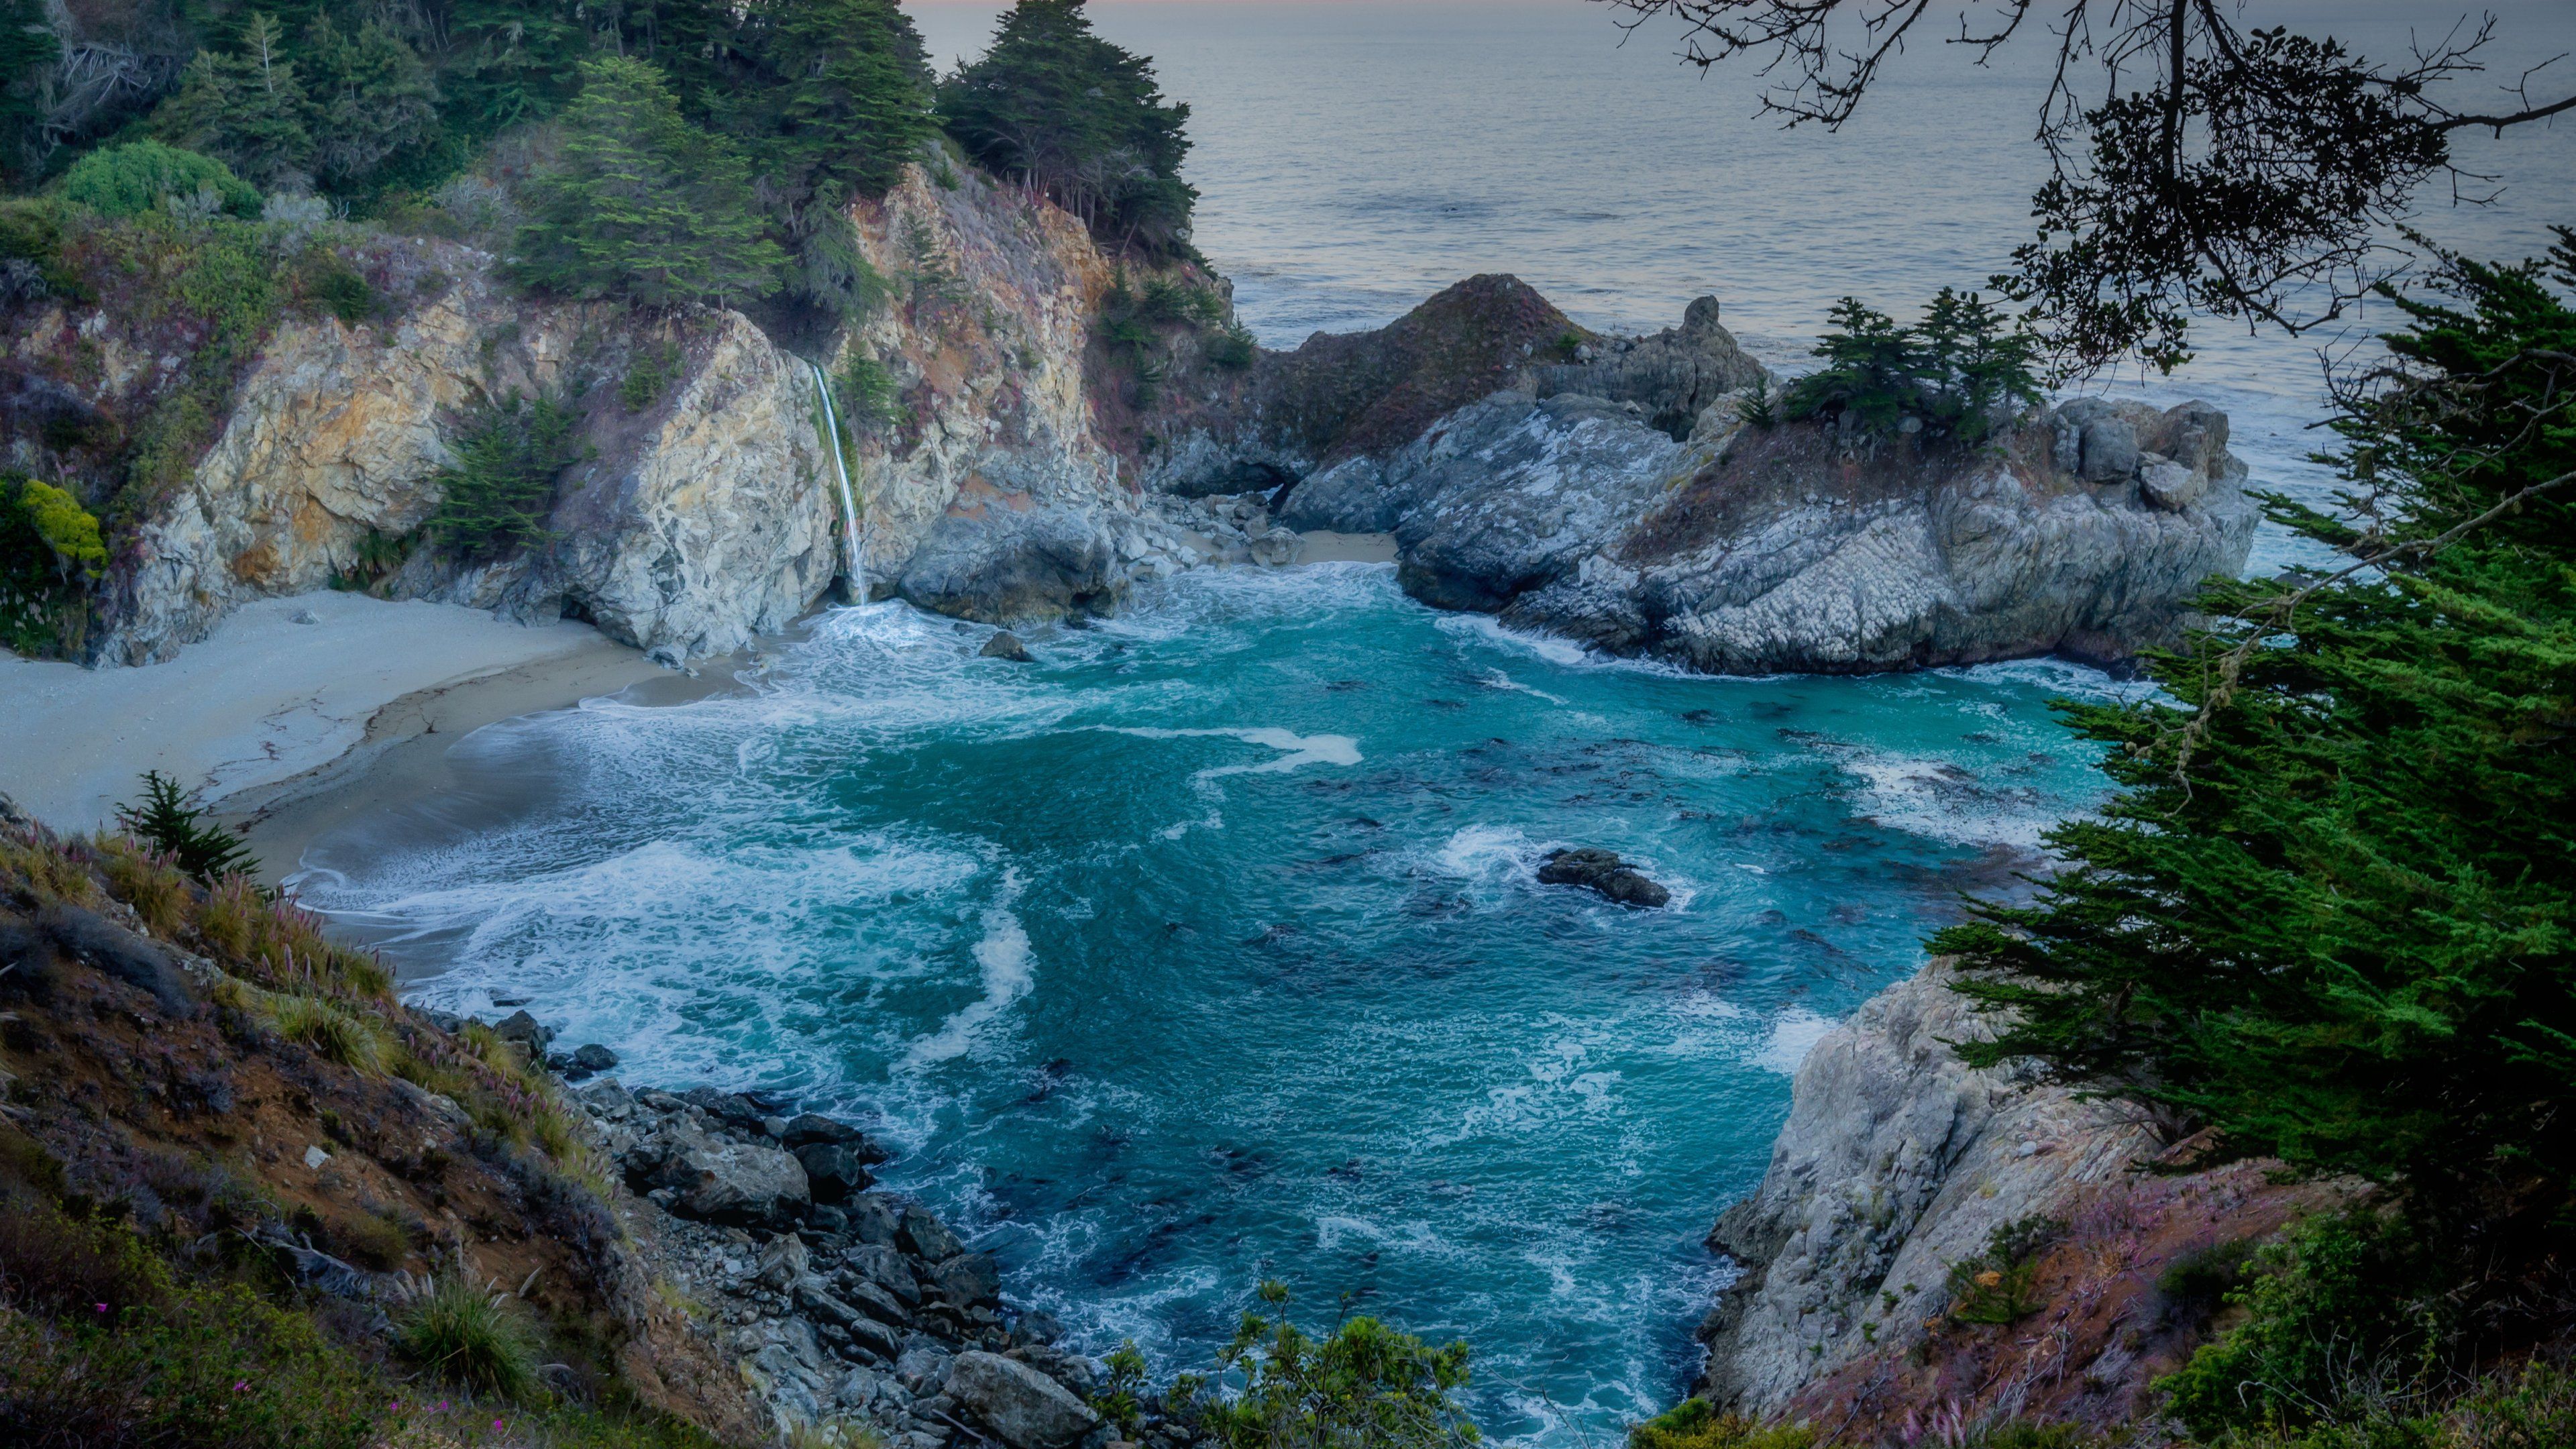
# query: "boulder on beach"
[[1605, 872]]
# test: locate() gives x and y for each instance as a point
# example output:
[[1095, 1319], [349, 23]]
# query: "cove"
[[1209, 948]]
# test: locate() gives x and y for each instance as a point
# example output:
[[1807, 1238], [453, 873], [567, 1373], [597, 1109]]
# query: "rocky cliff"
[[1901, 1178], [704, 508]]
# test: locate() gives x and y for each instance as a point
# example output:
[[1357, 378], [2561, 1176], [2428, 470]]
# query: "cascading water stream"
[[853, 543]]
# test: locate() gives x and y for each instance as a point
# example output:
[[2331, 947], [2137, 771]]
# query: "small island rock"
[[1603, 871]]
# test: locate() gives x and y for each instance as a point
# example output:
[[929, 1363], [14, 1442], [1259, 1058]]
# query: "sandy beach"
[[267, 708]]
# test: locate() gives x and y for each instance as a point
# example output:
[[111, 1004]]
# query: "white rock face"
[[1897, 1161], [694, 524]]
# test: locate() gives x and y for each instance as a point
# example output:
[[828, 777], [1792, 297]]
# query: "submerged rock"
[[1006, 645], [1605, 872]]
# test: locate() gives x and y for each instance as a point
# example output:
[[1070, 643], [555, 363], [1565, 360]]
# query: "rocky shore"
[[838, 1302], [1616, 491]]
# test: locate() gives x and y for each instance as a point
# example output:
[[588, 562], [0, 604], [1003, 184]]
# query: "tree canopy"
[[638, 203], [2198, 163], [1058, 107], [2328, 913]]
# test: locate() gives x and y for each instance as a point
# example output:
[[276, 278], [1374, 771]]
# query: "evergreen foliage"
[[164, 820], [1961, 372], [493, 500], [247, 109], [1058, 107], [27, 49], [1365, 1384], [2328, 913], [1692, 1424], [2335, 1302], [143, 176], [638, 203]]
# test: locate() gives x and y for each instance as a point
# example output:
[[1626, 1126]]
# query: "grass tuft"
[[474, 1337]]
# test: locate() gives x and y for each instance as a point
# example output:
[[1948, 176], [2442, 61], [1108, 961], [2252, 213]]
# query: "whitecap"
[[1009, 970], [1792, 1036]]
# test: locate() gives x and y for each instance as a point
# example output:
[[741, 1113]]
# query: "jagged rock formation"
[[1607, 490], [1784, 548], [1899, 1162], [1342, 396]]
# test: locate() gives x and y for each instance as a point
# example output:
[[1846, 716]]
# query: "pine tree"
[[1059, 107], [247, 109], [372, 99], [850, 101], [27, 48], [637, 203], [2330, 913], [164, 820]]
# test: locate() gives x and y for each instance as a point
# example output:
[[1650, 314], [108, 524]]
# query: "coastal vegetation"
[[1056, 106], [232, 167], [2318, 923], [50, 554], [1963, 372], [166, 1280]]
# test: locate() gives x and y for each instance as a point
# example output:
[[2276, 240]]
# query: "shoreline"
[[403, 757], [281, 689]]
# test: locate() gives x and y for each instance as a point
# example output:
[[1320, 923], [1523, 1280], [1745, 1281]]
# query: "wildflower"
[[242, 1386], [101, 1307]]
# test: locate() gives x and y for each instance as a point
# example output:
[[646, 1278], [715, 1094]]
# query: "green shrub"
[[2205, 1275], [493, 500], [1996, 1286], [1233, 347], [144, 176], [870, 397], [477, 1338], [165, 1362], [1367, 1384], [51, 553], [329, 1031], [199, 845], [328, 283], [2338, 1305], [648, 377], [1692, 1424]]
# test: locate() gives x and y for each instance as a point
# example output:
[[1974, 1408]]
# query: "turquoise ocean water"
[[1209, 949]]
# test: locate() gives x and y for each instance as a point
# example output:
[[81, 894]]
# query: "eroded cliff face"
[[695, 518], [705, 508], [1899, 1162], [992, 495]]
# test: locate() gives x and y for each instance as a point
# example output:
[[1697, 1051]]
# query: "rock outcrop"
[[1609, 490], [869, 1308], [2085, 531], [1899, 1163]]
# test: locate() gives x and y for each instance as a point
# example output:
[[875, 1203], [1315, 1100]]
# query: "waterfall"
[[852, 543]]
